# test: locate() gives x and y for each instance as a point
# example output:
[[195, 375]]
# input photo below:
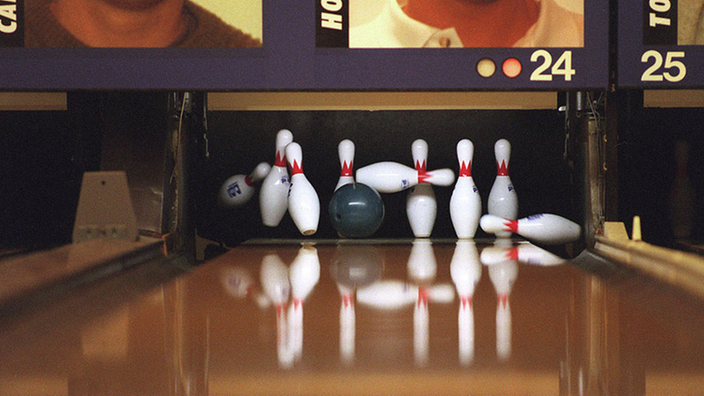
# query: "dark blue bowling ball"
[[356, 210]]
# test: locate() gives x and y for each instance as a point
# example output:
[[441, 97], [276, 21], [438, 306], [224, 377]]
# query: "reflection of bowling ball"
[[356, 210], [356, 266]]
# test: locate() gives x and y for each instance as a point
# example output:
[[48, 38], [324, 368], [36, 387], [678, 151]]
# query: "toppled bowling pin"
[[345, 151], [465, 202], [391, 177], [421, 204], [273, 195], [239, 189], [303, 201], [544, 228], [503, 201]]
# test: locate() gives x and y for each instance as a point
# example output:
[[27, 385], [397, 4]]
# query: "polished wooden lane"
[[533, 325]]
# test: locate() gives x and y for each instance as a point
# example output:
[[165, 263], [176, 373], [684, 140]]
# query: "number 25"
[[652, 73]]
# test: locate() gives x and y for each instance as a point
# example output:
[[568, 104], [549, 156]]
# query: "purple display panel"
[[293, 57], [660, 44]]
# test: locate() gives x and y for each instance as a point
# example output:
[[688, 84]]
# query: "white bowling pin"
[[503, 201], [395, 294], [465, 270], [391, 177], [345, 150], [273, 195], [304, 274], [465, 202], [421, 205], [303, 201], [239, 189], [503, 276], [543, 228]]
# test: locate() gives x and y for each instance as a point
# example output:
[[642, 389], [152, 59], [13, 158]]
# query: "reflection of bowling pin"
[[273, 195], [239, 189], [347, 325], [304, 275], [681, 203], [421, 205], [303, 201], [465, 271], [239, 283], [395, 294], [524, 252], [503, 275], [275, 283], [465, 203], [391, 177], [503, 201], [346, 152], [422, 268], [544, 228]]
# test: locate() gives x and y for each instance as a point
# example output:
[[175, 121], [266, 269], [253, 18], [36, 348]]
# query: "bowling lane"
[[395, 317]]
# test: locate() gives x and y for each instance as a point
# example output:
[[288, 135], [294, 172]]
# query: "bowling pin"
[[303, 201], [465, 202], [503, 276], [503, 201], [391, 177], [543, 228], [421, 205], [395, 294], [273, 195], [345, 150], [239, 189], [304, 274], [465, 270]]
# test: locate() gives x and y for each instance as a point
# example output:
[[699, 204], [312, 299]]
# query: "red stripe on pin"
[[346, 169], [280, 160], [501, 170], [296, 168], [466, 169], [511, 225]]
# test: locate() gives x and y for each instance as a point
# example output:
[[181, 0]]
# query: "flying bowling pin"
[[465, 202], [503, 201], [465, 270], [392, 177], [345, 150], [543, 228], [273, 195], [421, 205], [304, 274], [303, 201], [239, 189]]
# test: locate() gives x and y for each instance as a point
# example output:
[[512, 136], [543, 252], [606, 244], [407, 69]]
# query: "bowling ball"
[[356, 210]]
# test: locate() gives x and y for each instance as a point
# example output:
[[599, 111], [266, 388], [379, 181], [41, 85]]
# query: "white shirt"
[[555, 27]]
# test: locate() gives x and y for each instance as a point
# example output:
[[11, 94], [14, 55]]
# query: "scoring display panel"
[[661, 44], [223, 45]]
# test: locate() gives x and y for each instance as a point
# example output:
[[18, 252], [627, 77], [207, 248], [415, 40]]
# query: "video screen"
[[450, 23], [131, 23]]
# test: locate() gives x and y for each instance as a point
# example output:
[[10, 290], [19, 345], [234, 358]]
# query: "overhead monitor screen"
[[661, 43], [304, 44]]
